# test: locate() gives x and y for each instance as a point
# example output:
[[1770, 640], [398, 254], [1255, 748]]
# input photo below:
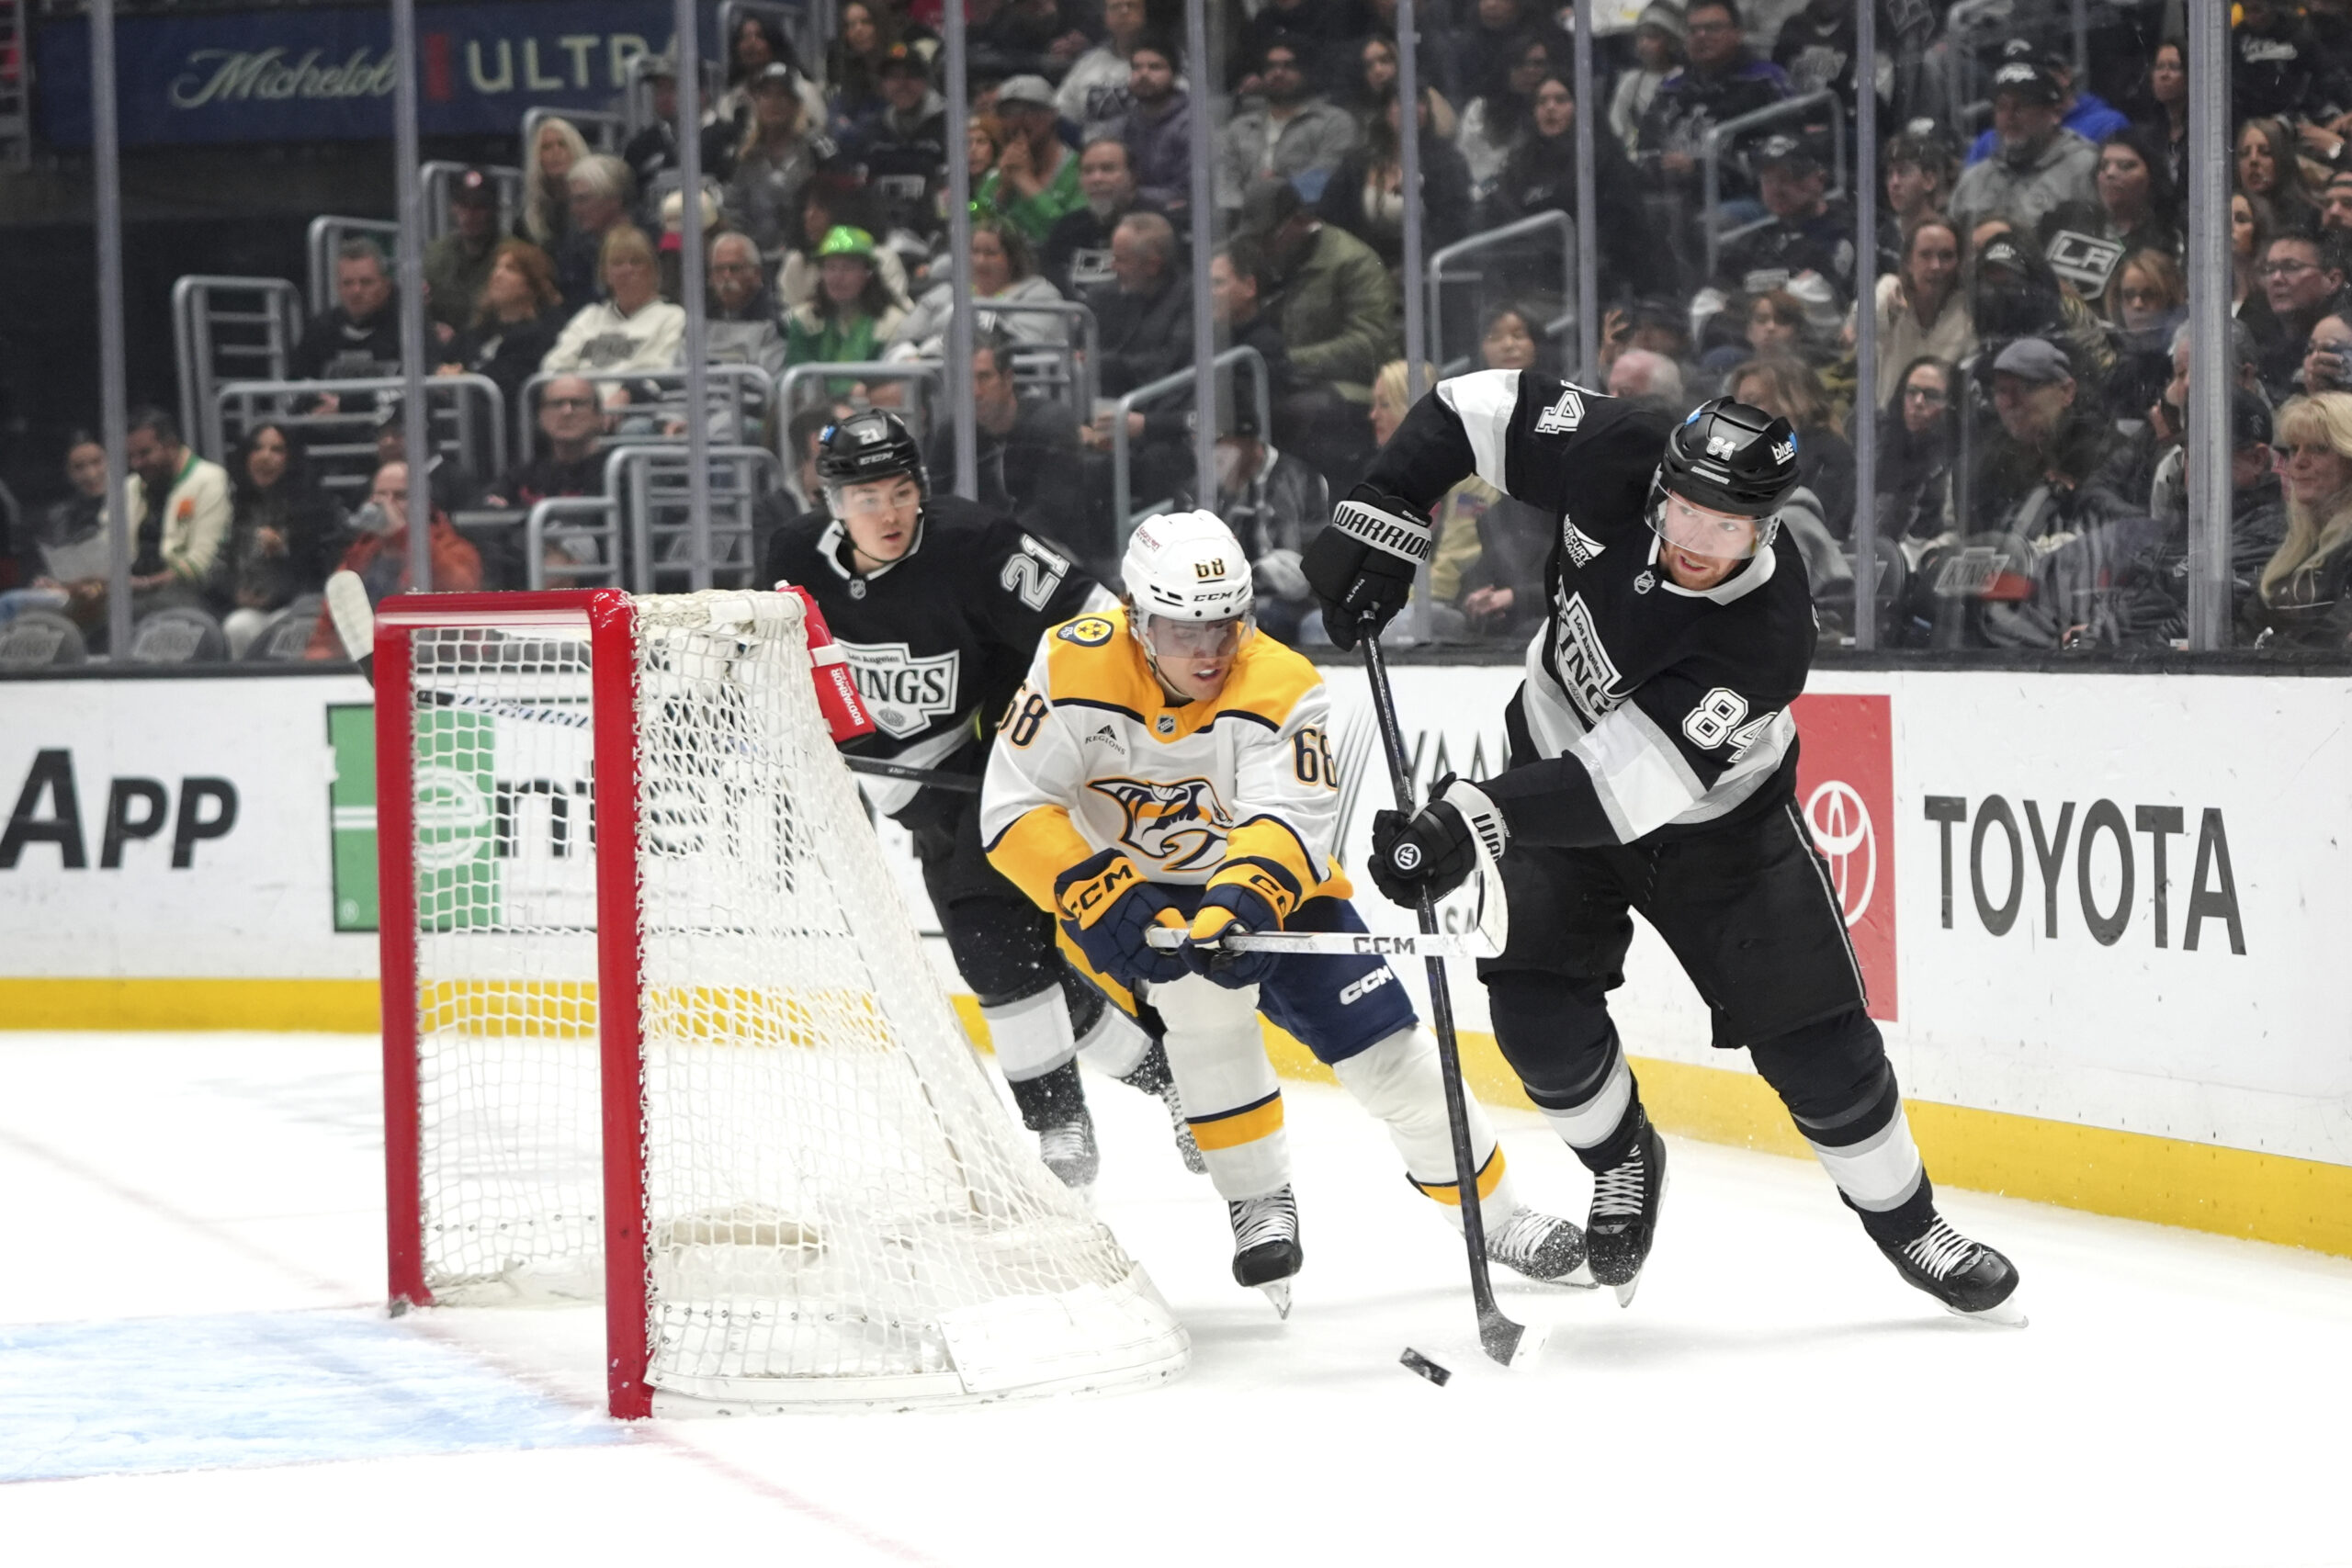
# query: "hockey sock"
[[1151, 1074], [1031, 1034], [1398, 1081], [1052, 1100], [1232, 1099], [1599, 1123], [1864, 1143], [1108, 1039]]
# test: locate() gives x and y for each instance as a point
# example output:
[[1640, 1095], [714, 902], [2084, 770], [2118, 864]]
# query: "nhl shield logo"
[[1165, 724], [906, 695], [1177, 826]]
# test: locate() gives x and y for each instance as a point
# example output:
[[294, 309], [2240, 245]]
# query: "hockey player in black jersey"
[[1653, 767], [938, 603]]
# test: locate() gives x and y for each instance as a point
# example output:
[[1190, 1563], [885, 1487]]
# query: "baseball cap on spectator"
[[1026, 89], [840, 240], [1920, 141], [776, 73], [2250, 419], [1269, 206], [1797, 153], [1666, 18], [2033, 359], [474, 189], [661, 67], [899, 57], [2003, 252], [2024, 73], [674, 205]]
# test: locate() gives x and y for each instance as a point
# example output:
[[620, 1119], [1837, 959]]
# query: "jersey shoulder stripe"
[[1094, 662]]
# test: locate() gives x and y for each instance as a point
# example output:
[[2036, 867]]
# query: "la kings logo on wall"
[[906, 695], [1586, 669]]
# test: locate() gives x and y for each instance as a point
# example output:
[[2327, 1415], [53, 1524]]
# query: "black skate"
[[1970, 1278], [1265, 1245], [1543, 1248], [1069, 1150], [1623, 1217]]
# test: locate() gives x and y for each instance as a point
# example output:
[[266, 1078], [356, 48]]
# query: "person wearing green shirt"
[[1035, 178], [851, 315]]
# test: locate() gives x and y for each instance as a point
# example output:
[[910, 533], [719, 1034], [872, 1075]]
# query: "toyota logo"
[[1842, 830]]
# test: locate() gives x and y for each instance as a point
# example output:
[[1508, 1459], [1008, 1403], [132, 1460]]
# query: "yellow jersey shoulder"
[[1092, 659], [1095, 661], [1269, 681]]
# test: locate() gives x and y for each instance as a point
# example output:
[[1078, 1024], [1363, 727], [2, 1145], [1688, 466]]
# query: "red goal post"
[[658, 1027]]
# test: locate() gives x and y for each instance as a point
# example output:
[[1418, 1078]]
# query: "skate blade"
[[1278, 1293], [1626, 1292], [2004, 1314]]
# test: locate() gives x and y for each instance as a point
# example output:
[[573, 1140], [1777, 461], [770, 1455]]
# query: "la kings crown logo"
[[904, 694]]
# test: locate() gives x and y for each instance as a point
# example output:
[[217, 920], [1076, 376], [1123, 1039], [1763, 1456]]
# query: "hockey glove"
[[1435, 849], [1245, 897], [1105, 906], [1362, 565]]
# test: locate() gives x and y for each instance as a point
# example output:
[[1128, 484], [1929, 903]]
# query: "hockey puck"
[[1414, 1361]]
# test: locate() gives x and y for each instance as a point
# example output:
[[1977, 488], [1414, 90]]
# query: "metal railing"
[[792, 378], [1070, 363], [464, 411], [738, 396], [1121, 479], [1710, 155], [549, 516], [1495, 239], [327, 234], [642, 532], [250, 334], [438, 177]]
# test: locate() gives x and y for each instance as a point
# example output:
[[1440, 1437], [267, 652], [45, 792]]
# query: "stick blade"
[[354, 617], [1507, 1343]]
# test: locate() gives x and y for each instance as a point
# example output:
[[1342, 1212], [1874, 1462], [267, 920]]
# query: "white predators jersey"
[[1092, 755]]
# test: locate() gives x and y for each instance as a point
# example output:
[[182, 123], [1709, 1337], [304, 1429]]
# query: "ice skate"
[[1970, 1278], [1543, 1248], [1265, 1245], [1624, 1218], [1069, 1150]]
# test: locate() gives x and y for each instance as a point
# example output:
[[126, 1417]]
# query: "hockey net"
[[690, 1054]]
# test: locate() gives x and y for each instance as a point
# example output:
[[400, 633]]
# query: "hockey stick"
[[1497, 1333], [355, 626], [1343, 944]]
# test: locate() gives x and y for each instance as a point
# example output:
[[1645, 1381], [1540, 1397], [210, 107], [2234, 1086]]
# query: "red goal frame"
[[610, 621]]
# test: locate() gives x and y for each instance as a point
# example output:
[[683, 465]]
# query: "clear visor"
[[1719, 536], [873, 498], [1169, 639]]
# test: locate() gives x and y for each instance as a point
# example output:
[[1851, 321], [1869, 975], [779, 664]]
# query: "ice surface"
[[1775, 1394]]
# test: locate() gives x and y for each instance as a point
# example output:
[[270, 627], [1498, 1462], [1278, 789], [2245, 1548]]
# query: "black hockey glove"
[[1233, 907], [1435, 849], [1106, 907], [1362, 565]]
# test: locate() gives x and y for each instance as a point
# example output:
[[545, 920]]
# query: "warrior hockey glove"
[[1106, 907], [1362, 565], [1436, 849], [1246, 896]]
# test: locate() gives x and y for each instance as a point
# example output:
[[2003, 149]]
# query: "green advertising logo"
[[351, 813], [457, 881]]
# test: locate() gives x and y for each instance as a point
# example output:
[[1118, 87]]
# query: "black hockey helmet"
[[866, 446], [1731, 457]]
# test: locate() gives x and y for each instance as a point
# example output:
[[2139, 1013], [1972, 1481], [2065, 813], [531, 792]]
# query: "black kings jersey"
[[1648, 709], [938, 638]]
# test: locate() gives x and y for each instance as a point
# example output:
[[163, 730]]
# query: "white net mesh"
[[837, 1205]]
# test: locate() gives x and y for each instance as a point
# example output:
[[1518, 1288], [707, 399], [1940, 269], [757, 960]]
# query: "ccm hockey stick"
[[1499, 1335], [1492, 932], [355, 627]]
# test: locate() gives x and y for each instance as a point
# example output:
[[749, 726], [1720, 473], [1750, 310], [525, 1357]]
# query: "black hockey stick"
[[355, 625], [1498, 1334]]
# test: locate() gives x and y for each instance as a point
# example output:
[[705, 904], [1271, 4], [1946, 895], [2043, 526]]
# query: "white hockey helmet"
[[1186, 569]]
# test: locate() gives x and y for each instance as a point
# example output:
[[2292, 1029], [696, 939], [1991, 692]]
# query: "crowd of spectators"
[[2028, 305]]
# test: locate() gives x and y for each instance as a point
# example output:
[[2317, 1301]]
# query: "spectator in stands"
[[1806, 252], [1035, 178], [1787, 387], [670, 247], [1365, 195], [1009, 37], [1657, 55], [1275, 505], [1498, 118], [2087, 114], [1815, 50], [1337, 314], [739, 327], [2152, 466], [1508, 340], [177, 546], [1028, 453], [1077, 255], [1239, 283], [361, 335], [1918, 434], [2302, 276], [67, 549], [1321, 32], [2280, 69], [600, 201], [1292, 132], [1002, 274], [632, 328], [652, 152], [2138, 207], [866, 30], [515, 324], [803, 492], [457, 266], [2327, 355], [570, 460], [1921, 310], [1920, 170], [2268, 168], [2335, 203], [1487, 48], [1158, 126], [451, 488], [1094, 95], [904, 149], [2303, 598], [2033, 471], [2039, 165], [777, 155], [758, 42], [851, 313], [2159, 587], [379, 555], [1650, 378], [1142, 316], [2145, 304], [1776, 327], [827, 203], [1722, 81], [2167, 125], [2015, 294], [284, 533], [556, 149]]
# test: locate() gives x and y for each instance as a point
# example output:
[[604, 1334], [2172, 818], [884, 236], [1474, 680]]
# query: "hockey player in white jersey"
[[1165, 765]]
